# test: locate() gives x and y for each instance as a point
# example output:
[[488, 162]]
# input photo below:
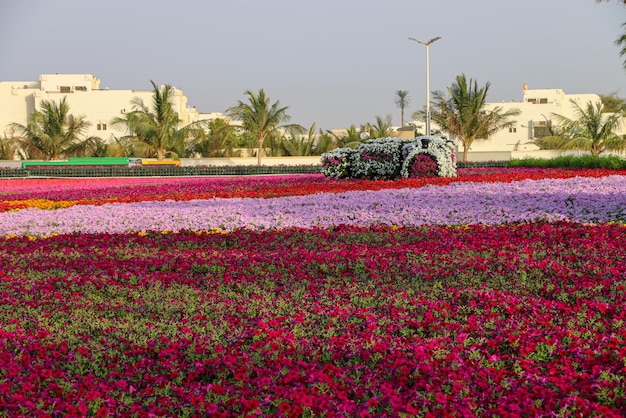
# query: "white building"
[[19, 99], [537, 108]]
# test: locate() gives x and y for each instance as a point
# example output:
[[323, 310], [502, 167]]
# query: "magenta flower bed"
[[509, 319], [423, 166]]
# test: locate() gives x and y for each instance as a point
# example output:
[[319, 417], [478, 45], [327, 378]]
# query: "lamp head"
[[427, 42]]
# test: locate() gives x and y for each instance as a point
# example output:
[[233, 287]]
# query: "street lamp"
[[427, 44]]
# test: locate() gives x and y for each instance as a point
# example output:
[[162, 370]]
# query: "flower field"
[[500, 292]]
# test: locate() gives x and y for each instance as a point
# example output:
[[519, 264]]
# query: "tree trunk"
[[595, 150], [258, 153], [465, 151]]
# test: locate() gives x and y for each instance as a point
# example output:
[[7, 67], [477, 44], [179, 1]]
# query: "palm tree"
[[326, 141], [298, 144], [220, 140], [621, 40], [156, 131], [382, 128], [612, 103], [463, 114], [259, 117], [592, 130], [8, 148], [352, 138], [52, 132], [402, 101]]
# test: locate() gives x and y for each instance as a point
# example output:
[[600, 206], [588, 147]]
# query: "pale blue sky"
[[333, 62]]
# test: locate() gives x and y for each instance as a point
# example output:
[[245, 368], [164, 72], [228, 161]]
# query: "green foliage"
[[8, 147], [53, 133], [382, 127], [156, 131], [571, 161], [351, 139], [621, 42], [296, 143], [612, 103], [220, 140], [325, 142], [402, 101], [463, 116], [591, 130], [259, 117]]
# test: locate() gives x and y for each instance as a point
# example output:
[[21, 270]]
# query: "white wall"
[[19, 99]]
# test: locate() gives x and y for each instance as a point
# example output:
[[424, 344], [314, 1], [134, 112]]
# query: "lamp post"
[[427, 44]]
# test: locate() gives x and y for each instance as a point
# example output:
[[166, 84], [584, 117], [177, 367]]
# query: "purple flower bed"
[[579, 199]]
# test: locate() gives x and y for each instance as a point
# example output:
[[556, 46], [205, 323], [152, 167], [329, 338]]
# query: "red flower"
[[284, 408], [103, 412]]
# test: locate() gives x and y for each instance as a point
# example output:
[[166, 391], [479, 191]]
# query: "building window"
[[102, 126], [532, 100], [80, 88], [66, 89], [543, 101], [542, 128], [512, 129]]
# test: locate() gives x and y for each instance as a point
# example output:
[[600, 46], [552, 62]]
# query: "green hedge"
[[480, 164], [570, 161]]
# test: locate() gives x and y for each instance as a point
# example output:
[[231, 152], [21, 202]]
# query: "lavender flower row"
[[580, 199]]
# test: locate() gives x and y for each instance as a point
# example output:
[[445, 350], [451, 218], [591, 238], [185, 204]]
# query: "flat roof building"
[[19, 99], [535, 120]]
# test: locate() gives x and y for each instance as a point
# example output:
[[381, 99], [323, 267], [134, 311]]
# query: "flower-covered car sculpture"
[[392, 158]]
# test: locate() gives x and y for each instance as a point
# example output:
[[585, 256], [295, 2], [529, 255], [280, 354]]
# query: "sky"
[[334, 63]]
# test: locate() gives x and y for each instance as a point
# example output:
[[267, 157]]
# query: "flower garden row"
[[373, 314], [578, 199], [54, 194]]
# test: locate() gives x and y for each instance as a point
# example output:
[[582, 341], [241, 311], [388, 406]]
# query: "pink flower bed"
[[503, 320]]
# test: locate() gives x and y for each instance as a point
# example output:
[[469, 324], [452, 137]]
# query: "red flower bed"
[[524, 319]]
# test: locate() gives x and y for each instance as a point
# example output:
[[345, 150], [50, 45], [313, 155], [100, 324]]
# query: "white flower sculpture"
[[440, 149], [389, 158]]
